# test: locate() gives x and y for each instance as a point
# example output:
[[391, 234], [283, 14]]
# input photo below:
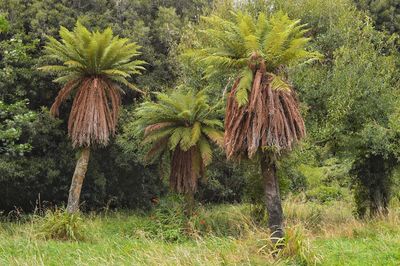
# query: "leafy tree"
[[93, 64], [14, 118], [262, 114], [351, 98], [386, 13], [181, 126]]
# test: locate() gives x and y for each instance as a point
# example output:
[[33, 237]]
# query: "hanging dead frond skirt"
[[271, 119], [186, 169], [94, 112]]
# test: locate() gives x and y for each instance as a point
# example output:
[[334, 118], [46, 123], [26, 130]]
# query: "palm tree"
[[181, 127], [93, 63], [262, 117]]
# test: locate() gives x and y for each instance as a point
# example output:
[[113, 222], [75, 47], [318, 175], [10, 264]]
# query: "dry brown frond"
[[94, 111], [62, 96], [271, 119], [155, 127], [186, 168]]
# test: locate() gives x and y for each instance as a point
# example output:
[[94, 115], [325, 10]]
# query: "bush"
[[225, 182], [222, 221], [324, 194], [60, 225], [168, 221]]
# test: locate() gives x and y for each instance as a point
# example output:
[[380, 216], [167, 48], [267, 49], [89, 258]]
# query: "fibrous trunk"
[[77, 181], [272, 197]]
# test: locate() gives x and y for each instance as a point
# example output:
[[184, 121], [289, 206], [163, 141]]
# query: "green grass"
[[218, 235]]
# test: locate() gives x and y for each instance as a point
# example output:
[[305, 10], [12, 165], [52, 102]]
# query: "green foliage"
[[225, 182], [60, 225], [350, 99], [168, 26], [14, 119], [40, 178], [17, 73], [41, 174], [4, 25], [386, 13], [325, 194], [168, 220]]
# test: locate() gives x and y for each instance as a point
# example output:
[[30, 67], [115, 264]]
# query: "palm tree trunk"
[[77, 181], [272, 197]]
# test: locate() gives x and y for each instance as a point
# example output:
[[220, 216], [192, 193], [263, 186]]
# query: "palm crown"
[[183, 125], [262, 111], [246, 43], [86, 53], [92, 65]]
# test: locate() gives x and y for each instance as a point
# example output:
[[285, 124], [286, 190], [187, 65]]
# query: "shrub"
[[324, 194], [60, 225], [168, 221], [222, 221]]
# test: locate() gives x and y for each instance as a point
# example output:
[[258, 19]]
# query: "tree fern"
[[262, 113], [183, 125], [91, 65]]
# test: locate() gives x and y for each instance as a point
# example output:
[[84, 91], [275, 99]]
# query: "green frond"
[[67, 78], [244, 86], [215, 135], [53, 68], [175, 138], [213, 123], [196, 133], [186, 139], [278, 83], [205, 151]]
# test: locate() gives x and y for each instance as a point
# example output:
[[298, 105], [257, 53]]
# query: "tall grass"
[[215, 235]]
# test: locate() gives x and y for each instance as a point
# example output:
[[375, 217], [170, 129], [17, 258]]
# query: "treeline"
[[348, 100]]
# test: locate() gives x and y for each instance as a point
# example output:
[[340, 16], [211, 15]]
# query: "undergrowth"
[[214, 235], [59, 225]]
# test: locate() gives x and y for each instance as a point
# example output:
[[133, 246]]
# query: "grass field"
[[217, 235]]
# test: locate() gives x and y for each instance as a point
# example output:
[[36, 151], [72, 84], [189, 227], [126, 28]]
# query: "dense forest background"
[[349, 101]]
